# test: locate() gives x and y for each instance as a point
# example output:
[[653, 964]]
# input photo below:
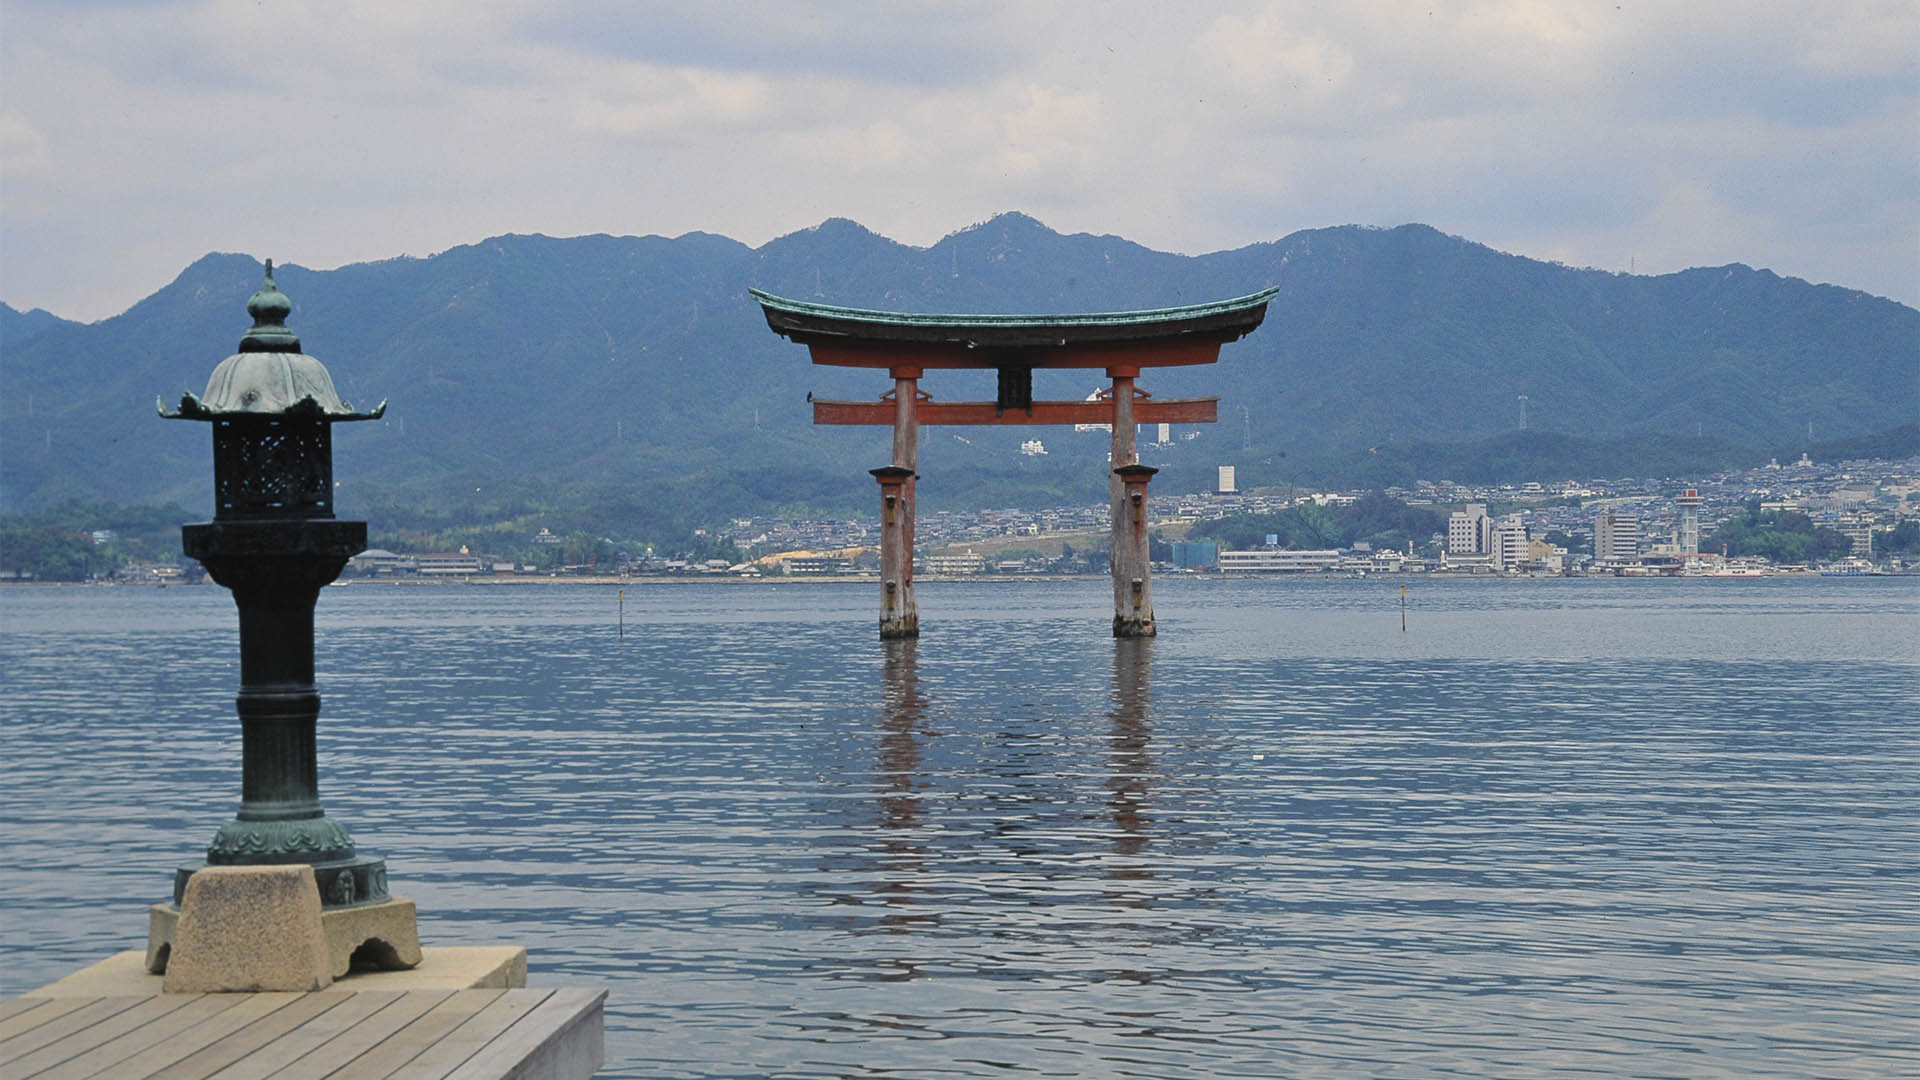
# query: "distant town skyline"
[[138, 135]]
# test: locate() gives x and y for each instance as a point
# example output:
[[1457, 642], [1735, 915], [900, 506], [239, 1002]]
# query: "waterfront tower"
[[1689, 504]]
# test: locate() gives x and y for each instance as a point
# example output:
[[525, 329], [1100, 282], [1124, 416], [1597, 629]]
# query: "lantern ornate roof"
[[269, 375]]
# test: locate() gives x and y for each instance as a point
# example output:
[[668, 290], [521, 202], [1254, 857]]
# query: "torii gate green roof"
[[1220, 320]]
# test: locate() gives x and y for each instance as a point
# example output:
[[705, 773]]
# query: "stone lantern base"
[[357, 879], [381, 937]]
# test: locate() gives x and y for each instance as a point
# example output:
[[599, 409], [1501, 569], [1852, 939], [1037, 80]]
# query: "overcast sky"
[[138, 135]]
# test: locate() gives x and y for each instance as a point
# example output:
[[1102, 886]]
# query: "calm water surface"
[[1615, 828]]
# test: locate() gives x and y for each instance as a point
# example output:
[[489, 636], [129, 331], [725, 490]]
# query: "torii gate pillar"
[[1124, 453], [899, 615], [1132, 580]]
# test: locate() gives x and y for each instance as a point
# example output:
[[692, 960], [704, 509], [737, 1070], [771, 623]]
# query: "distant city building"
[[378, 561], [965, 563], [1166, 434], [1508, 544], [1859, 529], [1470, 531], [450, 564], [1616, 538], [1550, 557], [1193, 554], [1033, 448], [1094, 396], [1225, 486], [1277, 562], [1689, 538], [1856, 497], [149, 573], [816, 564]]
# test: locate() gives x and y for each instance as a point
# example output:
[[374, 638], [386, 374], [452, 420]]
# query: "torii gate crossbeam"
[[1122, 344]]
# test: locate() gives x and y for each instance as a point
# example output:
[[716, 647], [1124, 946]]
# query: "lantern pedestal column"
[[1132, 576], [276, 570]]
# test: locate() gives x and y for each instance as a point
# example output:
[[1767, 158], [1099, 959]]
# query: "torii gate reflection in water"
[[908, 345]]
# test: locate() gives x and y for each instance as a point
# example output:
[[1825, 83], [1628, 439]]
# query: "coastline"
[[512, 580]]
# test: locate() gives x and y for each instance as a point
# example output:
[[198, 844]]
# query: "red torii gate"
[[908, 345]]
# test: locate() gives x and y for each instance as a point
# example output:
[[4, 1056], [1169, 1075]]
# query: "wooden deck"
[[365, 1035]]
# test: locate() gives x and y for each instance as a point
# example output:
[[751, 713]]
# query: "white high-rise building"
[[1469, 531], [1166, 435], [1508, 544], [1859, 529], [1226, 481], [1616, 538], [1094, 396]]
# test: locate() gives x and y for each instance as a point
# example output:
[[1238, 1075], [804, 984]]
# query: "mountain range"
[[633, 379]]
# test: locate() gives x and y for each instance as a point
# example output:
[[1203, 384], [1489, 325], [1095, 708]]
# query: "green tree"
[[703, 545], [1783, 537], [1902, 539], [1375, 517], [50, 554]]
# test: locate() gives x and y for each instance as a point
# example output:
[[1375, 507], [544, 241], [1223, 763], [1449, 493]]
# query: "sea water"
[[1552, 827]]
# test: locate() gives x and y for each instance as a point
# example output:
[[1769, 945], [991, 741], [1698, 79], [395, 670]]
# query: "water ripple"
[[1625, 828]]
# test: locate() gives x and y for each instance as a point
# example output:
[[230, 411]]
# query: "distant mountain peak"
[[1007, 223], [18, 327], [839, 226]]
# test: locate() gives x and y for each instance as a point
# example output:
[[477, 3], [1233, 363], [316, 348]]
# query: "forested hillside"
[[632, 378]]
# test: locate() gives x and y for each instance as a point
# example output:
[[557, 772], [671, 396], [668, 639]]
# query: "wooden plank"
[[339, 1054], [102, 1059], [562, 1038], [218, 1055], [466, 1040], [85, 1013], [182, 1044], [39, 1011], [13, 1007], [298, 1042], [987, 414], [488, 1034], [433, 1025]]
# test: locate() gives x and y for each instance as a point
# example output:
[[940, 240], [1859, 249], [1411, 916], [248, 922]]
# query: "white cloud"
[[138, 136], [23, 148]]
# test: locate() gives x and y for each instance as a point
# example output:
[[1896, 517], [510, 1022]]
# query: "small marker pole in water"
[[623, 612], [1403, 607]]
